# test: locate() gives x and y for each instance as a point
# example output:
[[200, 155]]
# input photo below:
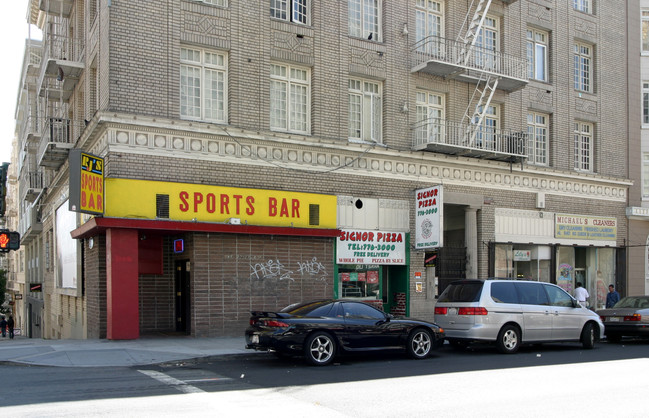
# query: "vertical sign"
[[428, 218], [86, 183]]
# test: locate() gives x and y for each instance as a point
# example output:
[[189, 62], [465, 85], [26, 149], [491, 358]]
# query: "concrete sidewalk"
[[104, 353]]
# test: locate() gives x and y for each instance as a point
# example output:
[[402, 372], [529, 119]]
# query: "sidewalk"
[[104, 353]]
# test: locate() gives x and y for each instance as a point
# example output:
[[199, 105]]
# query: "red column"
[[122, 311]]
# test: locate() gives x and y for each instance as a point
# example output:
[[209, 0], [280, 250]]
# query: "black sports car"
[[319, 330]]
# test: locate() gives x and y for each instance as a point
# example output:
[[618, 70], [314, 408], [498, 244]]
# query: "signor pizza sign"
[[429, 217]]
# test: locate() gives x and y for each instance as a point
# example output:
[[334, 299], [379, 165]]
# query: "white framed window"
[[583, 5], [365, 19], [203, 85], [430, 117], [645, 103], [537, 53], [487, 133], [429, 18], [537, 130], [583, 134], [487, 44], [222, 3], [296, 11], [290, 92], [365, 110], [645, 175], [645, 32], [583, 67]]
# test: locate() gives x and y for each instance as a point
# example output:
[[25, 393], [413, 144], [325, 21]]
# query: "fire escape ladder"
[[470, 37], [484, 92]]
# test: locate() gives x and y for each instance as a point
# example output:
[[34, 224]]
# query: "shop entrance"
[[182, 288]]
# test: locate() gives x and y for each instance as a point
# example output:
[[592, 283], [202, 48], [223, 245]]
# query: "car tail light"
[[634, 318], [472, 311], [440, 311], [273, 323]]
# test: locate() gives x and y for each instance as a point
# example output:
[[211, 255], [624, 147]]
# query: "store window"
[[593, 267], [359, 281], [523, 261]]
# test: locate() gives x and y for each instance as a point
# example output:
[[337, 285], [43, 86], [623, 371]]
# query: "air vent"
[[162, 206], [314, 214]]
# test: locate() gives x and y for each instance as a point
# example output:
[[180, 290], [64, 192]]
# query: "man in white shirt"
[[581, 295]]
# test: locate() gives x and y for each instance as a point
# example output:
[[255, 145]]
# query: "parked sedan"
[[321, 330], [630, 316]]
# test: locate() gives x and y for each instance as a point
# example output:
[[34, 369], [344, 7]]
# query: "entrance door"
[[182, 288]]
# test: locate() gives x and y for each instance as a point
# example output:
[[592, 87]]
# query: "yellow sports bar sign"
[[142, 199]]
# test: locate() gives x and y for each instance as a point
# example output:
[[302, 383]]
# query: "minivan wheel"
[[588, 336], [509, 339]]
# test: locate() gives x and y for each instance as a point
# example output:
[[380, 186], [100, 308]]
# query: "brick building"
[[257, 154]]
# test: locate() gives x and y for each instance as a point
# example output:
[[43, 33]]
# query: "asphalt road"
[[548, 380]]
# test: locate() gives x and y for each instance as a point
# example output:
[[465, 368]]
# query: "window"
[[430, 117], [583, 133], [645, 175], [487, 44], [532, 294], [429, 16], [583, 56], [222, 3], [558, 297], [537, 129], [296, 11], [645, 103], [361, 311], [645, 31], [365, 109], [487, 132], [583, 5], [504, 292], [365, 19], [289, 98], [537, 53], [203, 85]]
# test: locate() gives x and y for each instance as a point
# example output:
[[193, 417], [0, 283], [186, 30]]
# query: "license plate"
[[452, 311], [614, 319], [254, 339]]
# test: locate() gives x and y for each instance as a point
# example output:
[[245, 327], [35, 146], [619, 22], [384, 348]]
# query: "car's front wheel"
[[320, 349], [588, 336], [509, 339], [420, 342]]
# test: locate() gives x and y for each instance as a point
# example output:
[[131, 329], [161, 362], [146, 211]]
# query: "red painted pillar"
[[122, 302]]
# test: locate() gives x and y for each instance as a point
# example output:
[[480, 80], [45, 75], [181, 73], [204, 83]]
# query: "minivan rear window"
[[462, 292]]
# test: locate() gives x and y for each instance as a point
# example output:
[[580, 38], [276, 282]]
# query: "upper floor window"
[[645, 103], [430, 117], [537, 52], [203, 85], [585, 6], [365, 19], [583, 67], [487, 44], [290, 90], [583, 133], [487, 132], [365, 110], [645, 175], [296, 11], [645, 31], [429, 16], [222, 3], [537, 129]]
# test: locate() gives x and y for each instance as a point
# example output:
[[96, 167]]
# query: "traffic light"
[[9, 240]]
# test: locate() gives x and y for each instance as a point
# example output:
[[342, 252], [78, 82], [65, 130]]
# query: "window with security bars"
[[365, 110], [583, 134], [203, 85], [583, 67], [537, 129], [537, 53], [429, 18], [296, 11], [162, 206], [365, 19], [314, 214], [290, 90], [430, 117]]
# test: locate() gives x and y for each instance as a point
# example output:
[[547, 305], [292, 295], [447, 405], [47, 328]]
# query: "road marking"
[[168, 380]]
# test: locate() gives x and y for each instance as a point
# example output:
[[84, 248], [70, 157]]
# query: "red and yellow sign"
[[126, 198], [92, 184]]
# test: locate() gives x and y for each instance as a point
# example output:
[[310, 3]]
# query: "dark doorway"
[[183, 300]]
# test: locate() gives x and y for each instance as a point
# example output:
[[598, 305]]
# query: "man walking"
[[581, 295], [10, 325], [612, 297]]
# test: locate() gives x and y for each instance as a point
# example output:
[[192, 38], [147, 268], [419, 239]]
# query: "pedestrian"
[[581, 295], [3, 325], [612, 297], [10, 325]]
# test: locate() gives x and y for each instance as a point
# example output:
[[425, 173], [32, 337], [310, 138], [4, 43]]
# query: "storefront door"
[[182, 287]]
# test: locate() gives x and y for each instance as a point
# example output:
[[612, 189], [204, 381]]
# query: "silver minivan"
[[514, 312]]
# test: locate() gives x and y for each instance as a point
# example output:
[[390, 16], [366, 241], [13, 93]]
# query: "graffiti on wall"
[[275, 269]]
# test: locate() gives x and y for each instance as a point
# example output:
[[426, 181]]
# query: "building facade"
[[256, 154]]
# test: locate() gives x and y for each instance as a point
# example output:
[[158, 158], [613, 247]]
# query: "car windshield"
[[311, 309], [461, 292], [633, 302]]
